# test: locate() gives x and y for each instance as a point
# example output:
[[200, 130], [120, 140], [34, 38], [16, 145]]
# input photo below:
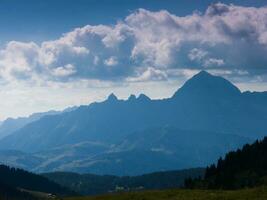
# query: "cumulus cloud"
[[66, 70], [18, 59], [149, 74], [145, 46]]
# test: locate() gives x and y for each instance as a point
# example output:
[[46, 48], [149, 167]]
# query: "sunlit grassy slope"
[[178, 194]]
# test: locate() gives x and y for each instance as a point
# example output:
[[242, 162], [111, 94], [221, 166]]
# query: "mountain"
[[65, 158], [16, 180], [204, 85], [10, 125], [245, 167], [90, 184], [214, 112], [20, 159], [54, 159], [138, 153]]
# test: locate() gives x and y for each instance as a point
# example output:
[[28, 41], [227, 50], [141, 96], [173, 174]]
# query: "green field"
[[179, 194]]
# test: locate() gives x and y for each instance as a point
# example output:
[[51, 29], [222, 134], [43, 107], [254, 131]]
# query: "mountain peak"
[[203, 74], [143, 97], [207, 84], [112, 97], [132, 97]]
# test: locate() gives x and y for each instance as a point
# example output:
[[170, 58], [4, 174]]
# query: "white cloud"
[[213, 62], [64, 71], [112, 61], [197, 54], [202, 57], [150, 74], [18, 59], [222, 36]]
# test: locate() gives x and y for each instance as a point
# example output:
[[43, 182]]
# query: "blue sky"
[[56, 53], [38, 20]]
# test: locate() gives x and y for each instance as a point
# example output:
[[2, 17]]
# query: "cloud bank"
[[147, 46]]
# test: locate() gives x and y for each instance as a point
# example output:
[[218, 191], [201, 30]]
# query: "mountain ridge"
[[10, 125], [226, 112]]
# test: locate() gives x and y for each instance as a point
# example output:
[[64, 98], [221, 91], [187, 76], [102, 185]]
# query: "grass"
[[179, 194]]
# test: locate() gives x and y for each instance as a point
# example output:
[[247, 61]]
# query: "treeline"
[[17, 178], [90, 184], [246, 167], [11, 193]]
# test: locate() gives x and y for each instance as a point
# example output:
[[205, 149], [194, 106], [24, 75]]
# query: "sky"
[[60, 53]]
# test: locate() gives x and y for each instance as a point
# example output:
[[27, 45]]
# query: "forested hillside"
[[90, 184], [246, 167], [13, 178], [12, 193]]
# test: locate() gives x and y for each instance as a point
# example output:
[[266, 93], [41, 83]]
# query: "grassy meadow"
[[180, 194]]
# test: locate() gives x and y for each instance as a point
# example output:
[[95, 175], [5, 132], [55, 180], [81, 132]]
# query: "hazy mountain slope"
[[90, 184], [205, 102], [209, 109], [10, 125], [57, 159], [20, 159], [159, 149], [53, 159], [106, 122], [155, 149]]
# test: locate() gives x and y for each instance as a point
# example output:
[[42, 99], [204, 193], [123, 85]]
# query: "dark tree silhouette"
[[246, 167], [13, 178]]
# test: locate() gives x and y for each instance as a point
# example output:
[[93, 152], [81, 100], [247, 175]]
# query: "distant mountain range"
[[207, 117], [10, 125]]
